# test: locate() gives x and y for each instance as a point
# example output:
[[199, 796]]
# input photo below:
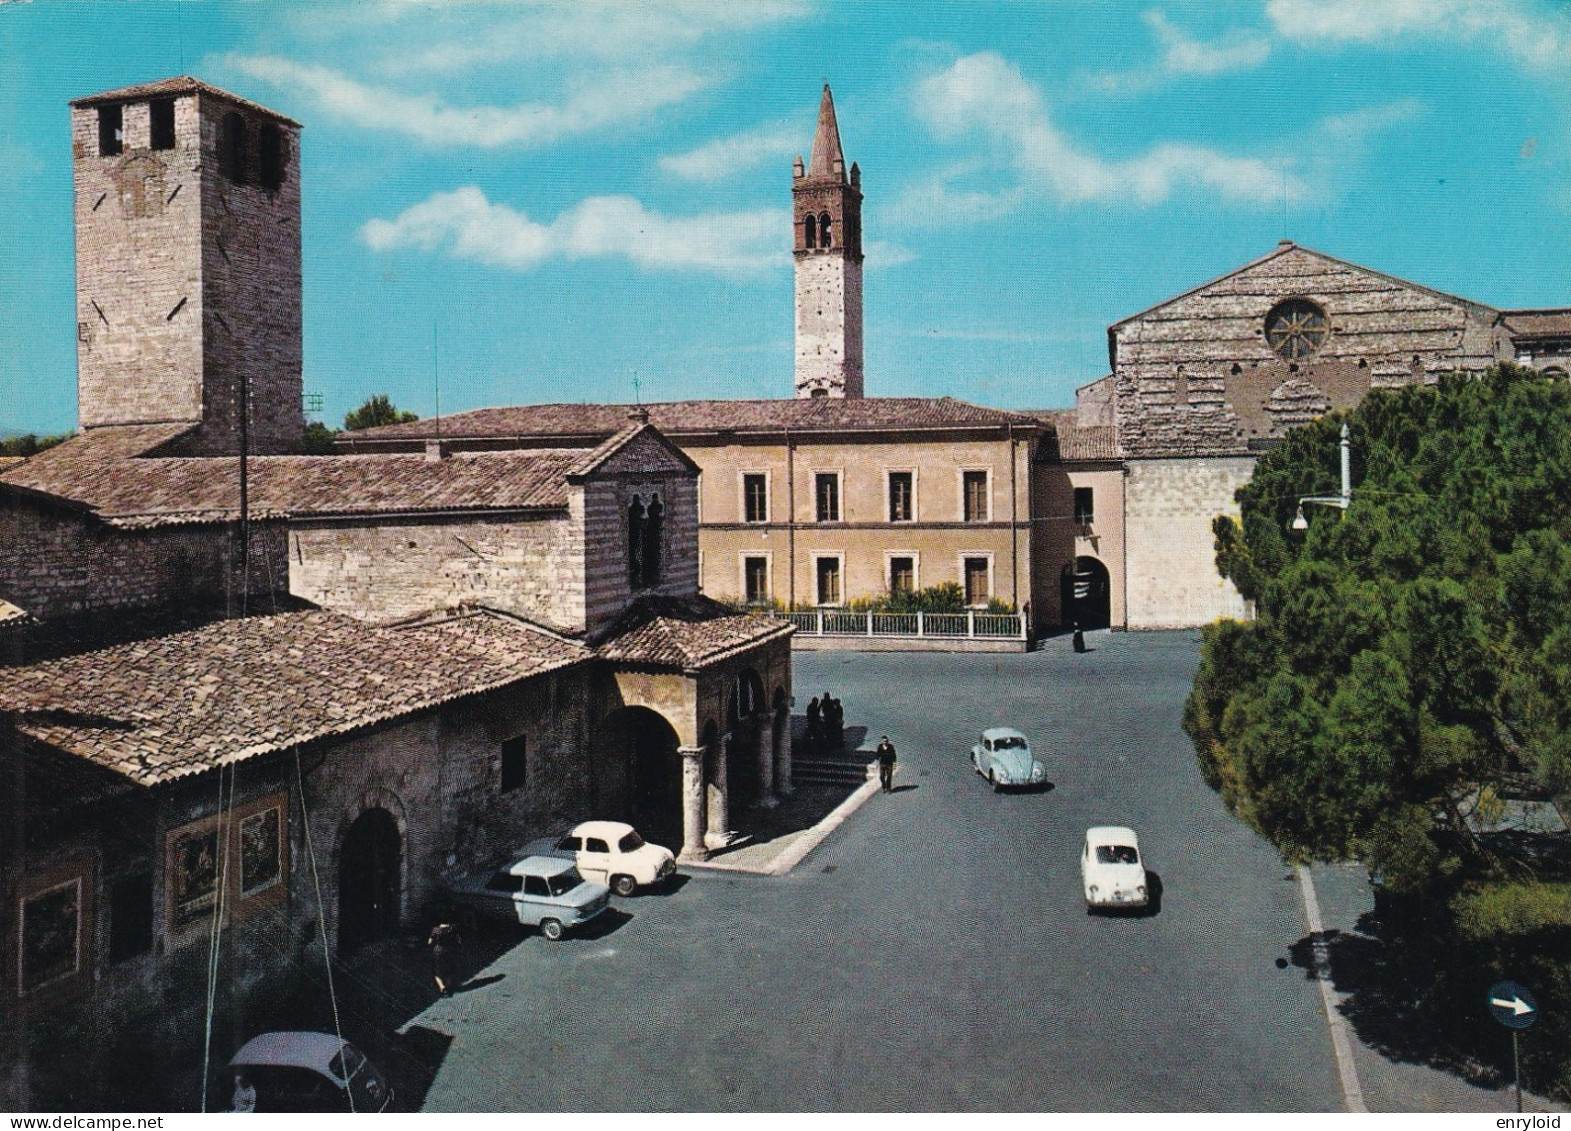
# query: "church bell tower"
[[827, 211]]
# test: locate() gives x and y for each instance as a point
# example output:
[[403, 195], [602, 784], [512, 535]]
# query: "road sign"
[[1513, 1005]]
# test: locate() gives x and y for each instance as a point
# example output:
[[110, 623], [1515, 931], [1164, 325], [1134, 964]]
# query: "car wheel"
[[551, 929], [624, 885]]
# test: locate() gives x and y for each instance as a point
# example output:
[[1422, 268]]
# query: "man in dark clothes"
[[1079, 639], [886, 764], [443, 941], [813, 722], [834, 721]]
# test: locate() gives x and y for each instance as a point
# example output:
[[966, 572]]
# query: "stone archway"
[[637, 774], [1086, 592], [370, 881]]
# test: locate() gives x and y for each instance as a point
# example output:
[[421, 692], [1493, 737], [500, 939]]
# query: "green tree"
[[1409, 651], [30, 444], [317, 439], [377, 411]]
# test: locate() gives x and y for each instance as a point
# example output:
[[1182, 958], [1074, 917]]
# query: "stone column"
[[783, 784], [692, 803], [765, 723], [719, 834]]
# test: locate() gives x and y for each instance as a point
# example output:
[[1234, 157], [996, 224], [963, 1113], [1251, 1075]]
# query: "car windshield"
[[564, 882], [1117, 854], [632, 842], [1009, 742]]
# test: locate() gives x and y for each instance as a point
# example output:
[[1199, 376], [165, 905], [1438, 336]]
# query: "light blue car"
[[1003, 757]]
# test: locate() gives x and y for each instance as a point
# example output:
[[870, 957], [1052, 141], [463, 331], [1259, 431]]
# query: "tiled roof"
[[1070, 442], [160, 709], [93, 472], [682, 419], [181, 84], [685, 632], [1537, 323]]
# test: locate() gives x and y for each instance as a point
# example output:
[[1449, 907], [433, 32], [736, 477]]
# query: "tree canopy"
[[1410, 655], [375, 412]]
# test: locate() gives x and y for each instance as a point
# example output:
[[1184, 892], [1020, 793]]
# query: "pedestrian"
[[814, 722], [444, 939], [1079, 638], [834, 722], [886, 765], [245, 1094]]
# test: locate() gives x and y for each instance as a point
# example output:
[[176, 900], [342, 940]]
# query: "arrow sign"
[[1513, 1006]]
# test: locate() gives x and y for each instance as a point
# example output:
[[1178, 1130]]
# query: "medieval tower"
[[827, 211], [188, 264]]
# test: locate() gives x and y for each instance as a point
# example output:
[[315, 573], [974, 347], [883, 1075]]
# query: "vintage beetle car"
[[612, 853], [1111, 869], [1003, 756], [537, 891], [303, 1071]]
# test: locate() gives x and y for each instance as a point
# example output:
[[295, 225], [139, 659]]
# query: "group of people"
[[825, 723]]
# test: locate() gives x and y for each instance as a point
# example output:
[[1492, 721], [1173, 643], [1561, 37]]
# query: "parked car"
[[537, 891], [300, 1071], [1111, 869], [612, 853], [1003, 756]]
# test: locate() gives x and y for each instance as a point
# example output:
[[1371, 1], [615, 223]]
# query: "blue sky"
[[569, 196]]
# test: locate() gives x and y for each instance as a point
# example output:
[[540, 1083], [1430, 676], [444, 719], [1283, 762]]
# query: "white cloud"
[[1182, 56], [726, 156], [986, 96], [471, 227], [1533, 33], [615, 98]]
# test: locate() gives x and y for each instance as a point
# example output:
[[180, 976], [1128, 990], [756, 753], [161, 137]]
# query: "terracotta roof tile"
[[1537, 323], [1070, 442], [165, 708], [685, 632], [181, 84]]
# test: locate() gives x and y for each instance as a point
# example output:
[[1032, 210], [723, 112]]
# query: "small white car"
[[1111, 869], [611, 853]]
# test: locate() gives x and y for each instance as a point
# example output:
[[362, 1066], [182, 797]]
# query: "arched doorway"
[[742, 772], [370, 881], [1086, 594], [637, 775]]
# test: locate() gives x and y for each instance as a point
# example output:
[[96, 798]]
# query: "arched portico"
[[636, 772]]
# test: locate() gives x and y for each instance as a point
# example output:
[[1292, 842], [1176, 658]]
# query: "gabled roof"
[[1547, 323], [656, 454], [1288, 247], [180, 84], [687, 633], [164, 708]]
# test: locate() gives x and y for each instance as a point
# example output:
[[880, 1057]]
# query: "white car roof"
[[995, 733], [294, 1049], [1112, 834], [539, 866], [605, 830]]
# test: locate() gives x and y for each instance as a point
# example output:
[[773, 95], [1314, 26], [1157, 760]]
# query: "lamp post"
[[1338, 501]]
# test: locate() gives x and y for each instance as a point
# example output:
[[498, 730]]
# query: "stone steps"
[[830, 771]]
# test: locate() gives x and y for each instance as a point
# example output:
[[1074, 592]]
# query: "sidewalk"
[[783, 836]]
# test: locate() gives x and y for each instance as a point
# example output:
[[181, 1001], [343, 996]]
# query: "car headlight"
[[1000, 774], [1140, 890], [1094, 890]]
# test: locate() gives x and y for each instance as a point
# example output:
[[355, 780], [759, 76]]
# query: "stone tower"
[[827, 211], [188, 264]]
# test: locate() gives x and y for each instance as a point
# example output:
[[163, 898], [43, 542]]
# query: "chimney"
[[437, 450], [638, 414]]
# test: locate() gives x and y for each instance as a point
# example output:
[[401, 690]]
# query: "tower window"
[[635, 543], [111, 130], [270, 153], [652, 542], [810, 230], [232, 156], [825, 230], [161, 123]]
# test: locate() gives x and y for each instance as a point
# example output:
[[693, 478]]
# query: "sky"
[[517, 201]]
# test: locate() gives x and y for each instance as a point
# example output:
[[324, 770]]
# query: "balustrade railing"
[[967, 625]]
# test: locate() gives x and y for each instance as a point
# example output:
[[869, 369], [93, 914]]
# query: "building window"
[[515, 763], [902, 496], [270, 155], [978, 589], [826, 490], [825, 230], [652, 541], [232, 153], [643, 542], [902, 575], [1296, 329], [635, 543], [161, 123], [1084, 506], [130, 916], [810, 230], [755, 497], [111, 130], [51, 935], [973, 491], [828, 581], [755, 580]]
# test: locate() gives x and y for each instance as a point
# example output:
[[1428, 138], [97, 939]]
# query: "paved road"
[[934, 953]]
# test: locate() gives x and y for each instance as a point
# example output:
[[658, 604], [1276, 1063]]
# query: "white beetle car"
[[1111, 870]]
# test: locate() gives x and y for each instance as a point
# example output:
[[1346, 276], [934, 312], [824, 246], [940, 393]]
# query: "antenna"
[[637, 398], [436, 379], [1284, 202]]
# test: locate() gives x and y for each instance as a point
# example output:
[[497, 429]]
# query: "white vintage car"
[[611, 853], [1111, 870]]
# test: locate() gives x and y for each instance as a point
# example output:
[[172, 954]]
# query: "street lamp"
[[1338, 501]]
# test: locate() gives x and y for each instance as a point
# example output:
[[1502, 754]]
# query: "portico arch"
[[636, 773]]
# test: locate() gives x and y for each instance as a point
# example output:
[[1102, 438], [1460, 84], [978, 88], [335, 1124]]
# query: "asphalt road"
[[935, 953]]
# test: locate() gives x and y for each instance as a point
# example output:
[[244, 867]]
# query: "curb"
[[799, 846]]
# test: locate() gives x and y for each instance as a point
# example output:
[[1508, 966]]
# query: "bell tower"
[[827, 212], [188, 265]]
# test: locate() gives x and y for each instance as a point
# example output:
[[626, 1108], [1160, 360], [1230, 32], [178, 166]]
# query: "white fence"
[[969, 625]]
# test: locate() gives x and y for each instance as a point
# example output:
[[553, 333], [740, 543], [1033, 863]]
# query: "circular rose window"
[[1296, 328]]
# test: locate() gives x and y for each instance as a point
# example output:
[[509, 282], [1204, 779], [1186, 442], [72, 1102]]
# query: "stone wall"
[[607, 573], [1057, 540], [1170, 559], [828, 324]]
